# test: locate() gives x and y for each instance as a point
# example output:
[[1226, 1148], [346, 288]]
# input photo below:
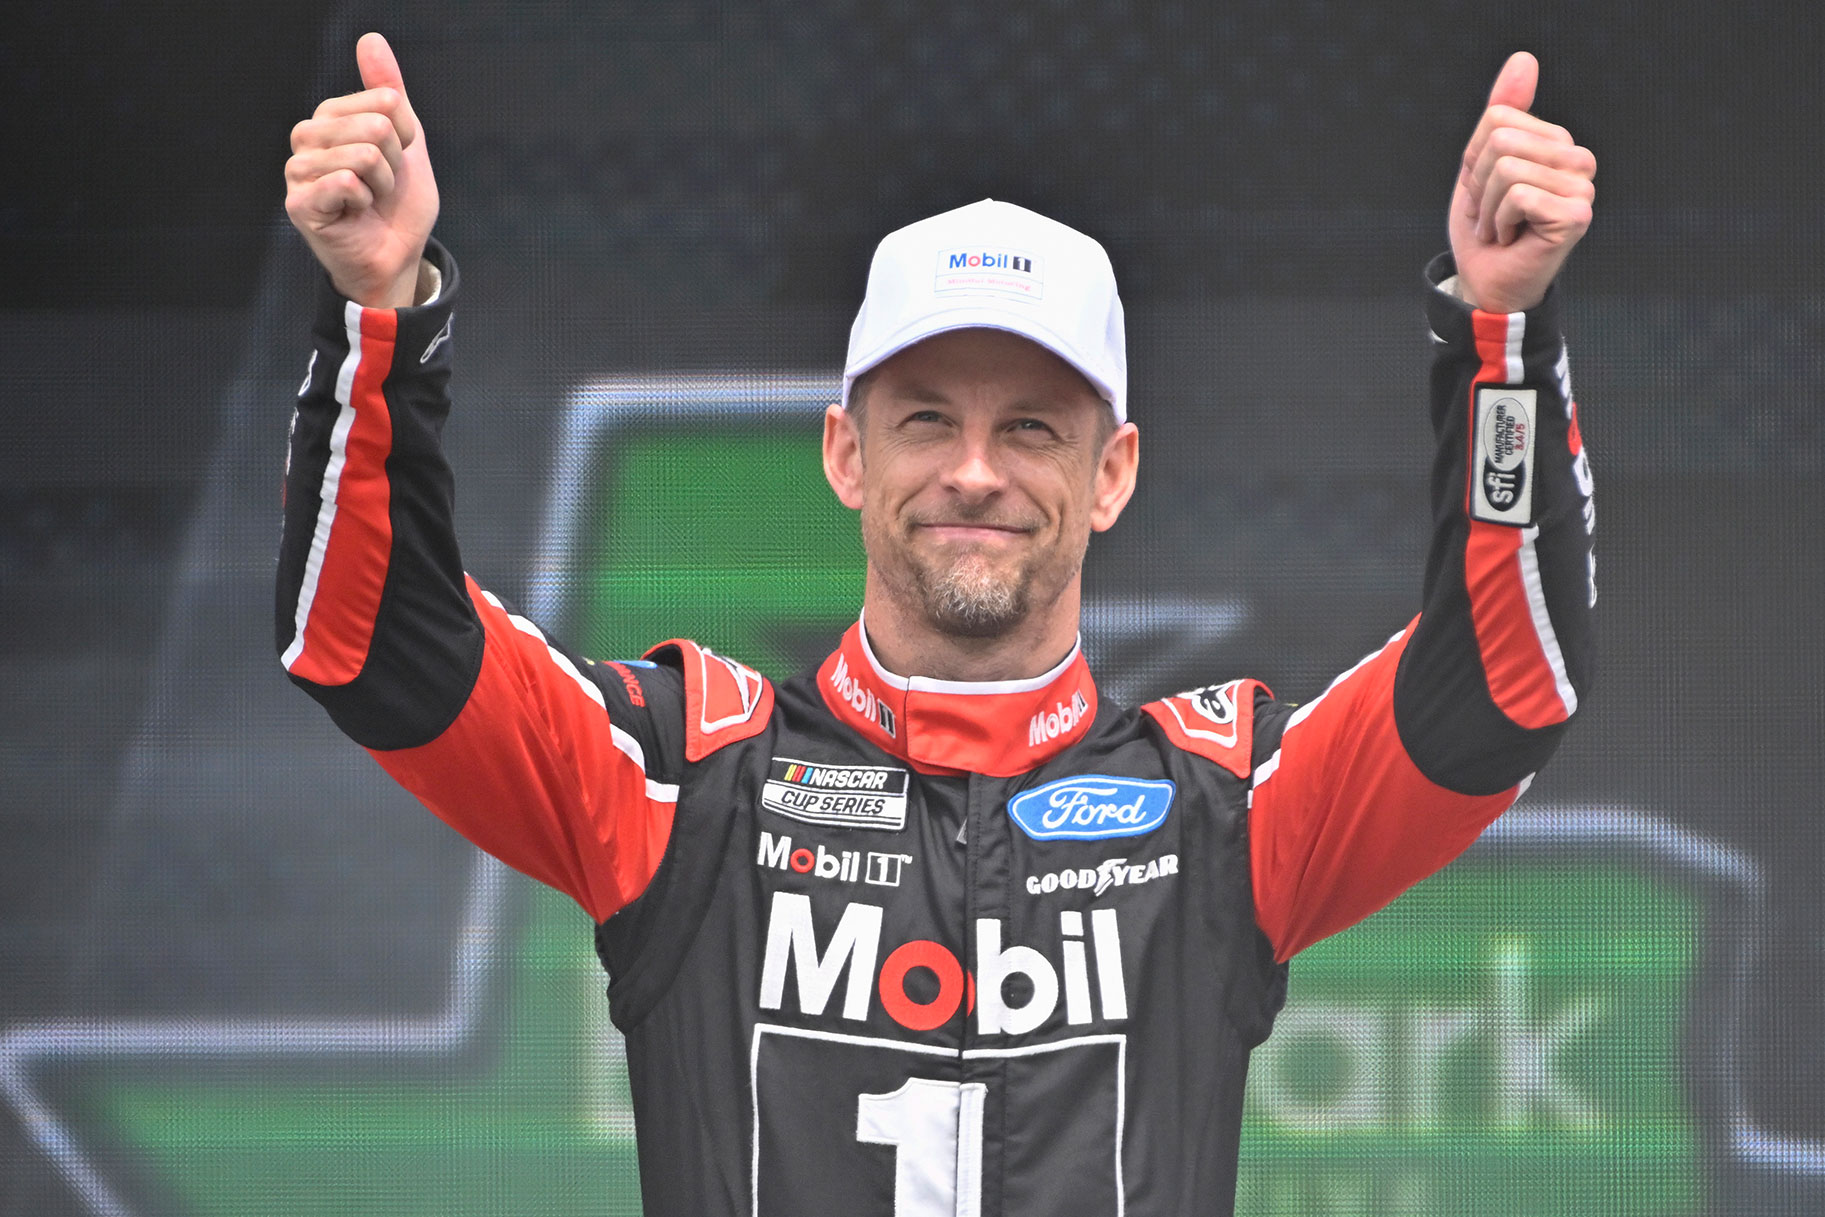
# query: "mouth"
[[972, 531]]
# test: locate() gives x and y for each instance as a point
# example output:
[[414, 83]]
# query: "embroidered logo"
[[1092, 807], [842, 796]]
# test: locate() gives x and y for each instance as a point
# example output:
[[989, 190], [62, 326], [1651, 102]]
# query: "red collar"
[[998, 728]]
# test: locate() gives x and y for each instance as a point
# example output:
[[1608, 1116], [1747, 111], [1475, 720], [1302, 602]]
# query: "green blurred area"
[[536, 1119], [730, 537], [1496, 1040]]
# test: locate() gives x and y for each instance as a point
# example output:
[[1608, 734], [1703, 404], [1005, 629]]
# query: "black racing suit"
[[885, 946]]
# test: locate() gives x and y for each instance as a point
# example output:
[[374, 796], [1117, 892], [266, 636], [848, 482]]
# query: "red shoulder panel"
[[724, 701], [1217, 722]]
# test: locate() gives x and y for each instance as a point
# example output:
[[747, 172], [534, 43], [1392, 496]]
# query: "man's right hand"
[[359, 185]]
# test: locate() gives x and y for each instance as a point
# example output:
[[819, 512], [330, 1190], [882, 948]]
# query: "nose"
[[974, 472]]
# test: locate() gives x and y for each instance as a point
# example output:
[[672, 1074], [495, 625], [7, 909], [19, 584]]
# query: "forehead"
[[981, 365]]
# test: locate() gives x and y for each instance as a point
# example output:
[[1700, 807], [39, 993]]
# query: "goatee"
[[968, 601]]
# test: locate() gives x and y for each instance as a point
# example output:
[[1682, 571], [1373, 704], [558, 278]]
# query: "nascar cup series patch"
[[842, 796], [1092, 806], [1501, 472]]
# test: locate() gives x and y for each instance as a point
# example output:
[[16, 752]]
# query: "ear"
[[843, 456], [1115, 473]]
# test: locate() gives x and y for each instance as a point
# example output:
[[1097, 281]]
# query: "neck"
[[907, 644]]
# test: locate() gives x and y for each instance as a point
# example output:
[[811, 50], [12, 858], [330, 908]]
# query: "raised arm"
[[562, 768], [1398, 766]]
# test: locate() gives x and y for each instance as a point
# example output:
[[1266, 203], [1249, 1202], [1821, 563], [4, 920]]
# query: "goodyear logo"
[[1091, 807]]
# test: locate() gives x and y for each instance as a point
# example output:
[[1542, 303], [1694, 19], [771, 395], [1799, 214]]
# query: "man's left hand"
[[1523, 197]]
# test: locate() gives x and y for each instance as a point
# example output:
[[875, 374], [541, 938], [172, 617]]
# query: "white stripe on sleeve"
[[626, 744], [1542, 620], [332, 482], [1267, 768], [1517, 326]]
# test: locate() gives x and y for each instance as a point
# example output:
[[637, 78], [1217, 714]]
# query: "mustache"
[[972, 517]]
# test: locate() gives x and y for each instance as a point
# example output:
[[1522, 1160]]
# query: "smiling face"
[[981, 462]]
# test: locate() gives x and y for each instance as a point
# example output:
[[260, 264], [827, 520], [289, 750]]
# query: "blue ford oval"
[[1092, 806]]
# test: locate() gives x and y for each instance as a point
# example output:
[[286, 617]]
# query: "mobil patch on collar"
[[1092, 806]]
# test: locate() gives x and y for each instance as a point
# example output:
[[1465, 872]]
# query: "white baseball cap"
[[1002, 267]]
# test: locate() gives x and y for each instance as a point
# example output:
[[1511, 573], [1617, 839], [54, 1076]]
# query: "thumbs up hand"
[[359, 185], [1523, 197]]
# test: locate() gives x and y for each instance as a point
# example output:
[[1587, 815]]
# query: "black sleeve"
[[372, 616], [562, 767], [1501, 656]]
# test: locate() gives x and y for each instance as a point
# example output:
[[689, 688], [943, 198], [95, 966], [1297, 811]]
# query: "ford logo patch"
[[1092, 806]]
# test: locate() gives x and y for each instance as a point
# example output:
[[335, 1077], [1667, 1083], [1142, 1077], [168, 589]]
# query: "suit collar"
[[997, 728]]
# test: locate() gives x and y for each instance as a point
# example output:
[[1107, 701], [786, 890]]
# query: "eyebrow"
[[922, 393], [926, 395]]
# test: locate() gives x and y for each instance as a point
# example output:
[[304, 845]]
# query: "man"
[[934, 928]]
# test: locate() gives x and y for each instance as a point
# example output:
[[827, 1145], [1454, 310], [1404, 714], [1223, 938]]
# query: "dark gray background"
[[636, 187]]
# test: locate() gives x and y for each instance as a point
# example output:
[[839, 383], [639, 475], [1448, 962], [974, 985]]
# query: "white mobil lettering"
[[848, 865], [997, 966], [851, 690], [790, 938], [856, 943], [774, 850], [859, 696], [1115, 872], [1061, 719], [995, 1015]]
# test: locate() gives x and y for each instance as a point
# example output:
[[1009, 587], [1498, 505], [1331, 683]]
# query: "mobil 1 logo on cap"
[[1501, 472], [990, 269]]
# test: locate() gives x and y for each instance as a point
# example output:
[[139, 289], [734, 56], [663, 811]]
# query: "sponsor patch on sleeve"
[[841, 796], [1502, 455]]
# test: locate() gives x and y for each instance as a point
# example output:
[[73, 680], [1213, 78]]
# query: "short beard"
[[967, 601]]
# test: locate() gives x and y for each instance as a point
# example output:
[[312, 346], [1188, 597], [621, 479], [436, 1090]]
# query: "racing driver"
[[934, 928]]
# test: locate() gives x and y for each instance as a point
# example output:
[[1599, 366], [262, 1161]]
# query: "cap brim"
[[981, 318]]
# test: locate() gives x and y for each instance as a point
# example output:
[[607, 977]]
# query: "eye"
[[1033, 426]]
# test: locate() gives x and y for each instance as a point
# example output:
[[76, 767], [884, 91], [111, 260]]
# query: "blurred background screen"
[[241, 973]]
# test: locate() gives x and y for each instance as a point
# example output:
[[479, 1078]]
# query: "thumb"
[[379, 68], [1514, 85]]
